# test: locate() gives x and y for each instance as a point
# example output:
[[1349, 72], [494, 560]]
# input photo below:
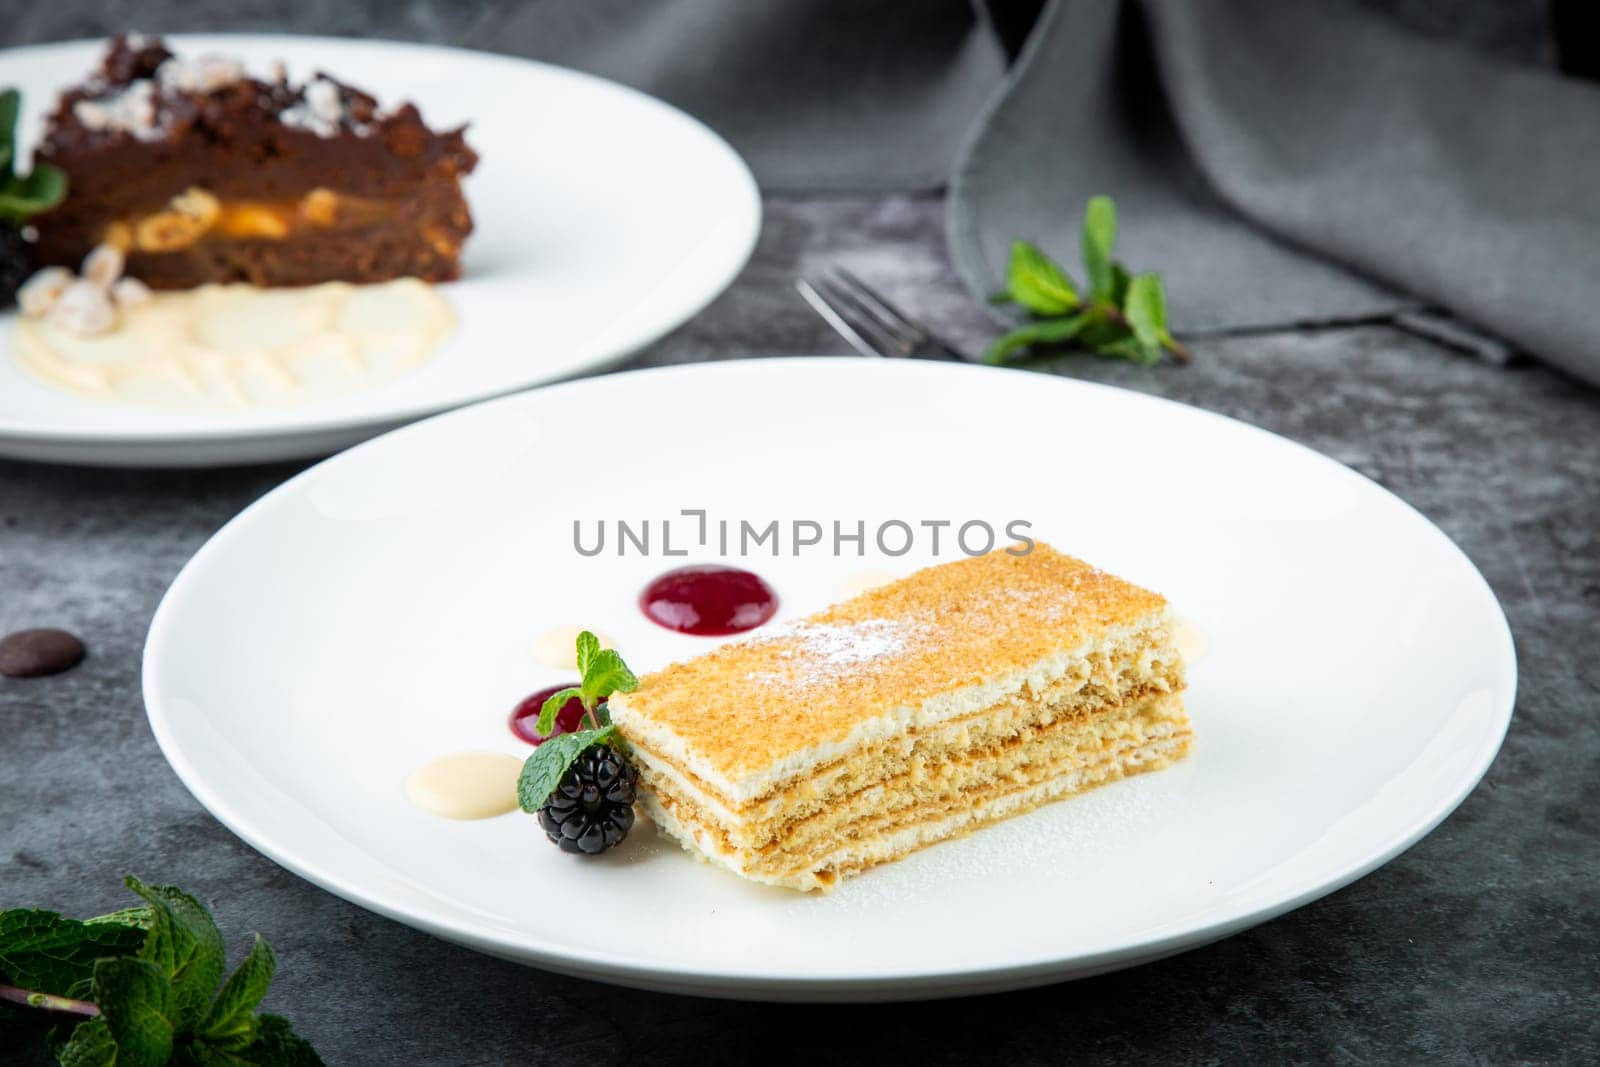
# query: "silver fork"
[[870, 323]]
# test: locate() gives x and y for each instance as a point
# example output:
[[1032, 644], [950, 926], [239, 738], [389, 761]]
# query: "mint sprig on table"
[[22, 196], [1120, 315], [139, 988], [602, 673]]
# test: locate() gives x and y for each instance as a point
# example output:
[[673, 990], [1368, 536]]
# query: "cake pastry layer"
[[200, 173], [962, 694]]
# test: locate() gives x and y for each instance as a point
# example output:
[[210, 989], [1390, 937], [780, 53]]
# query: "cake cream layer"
[[945, 643], [1037, 751], [885, 823], [1121, 668]]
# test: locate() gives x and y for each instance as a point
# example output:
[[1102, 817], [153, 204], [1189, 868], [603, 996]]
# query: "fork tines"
[[867, 320]]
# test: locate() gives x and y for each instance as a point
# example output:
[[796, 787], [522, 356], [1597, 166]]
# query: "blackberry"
[[14, 262], [592, 808]]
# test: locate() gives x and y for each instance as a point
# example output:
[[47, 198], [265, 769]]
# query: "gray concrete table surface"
[[1479, 944]]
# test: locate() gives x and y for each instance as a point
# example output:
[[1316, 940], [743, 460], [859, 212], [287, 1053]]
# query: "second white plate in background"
[[604, 219]]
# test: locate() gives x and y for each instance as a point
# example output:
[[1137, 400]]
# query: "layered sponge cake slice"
[[916, 712]]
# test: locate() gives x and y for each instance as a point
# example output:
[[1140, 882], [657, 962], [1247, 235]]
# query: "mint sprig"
[[601, 673], [1122, 315], [144, 984], [184, 947], [22, 196], [41, 950]]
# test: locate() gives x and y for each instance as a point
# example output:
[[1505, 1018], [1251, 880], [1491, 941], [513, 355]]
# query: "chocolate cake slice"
[[201, 173]]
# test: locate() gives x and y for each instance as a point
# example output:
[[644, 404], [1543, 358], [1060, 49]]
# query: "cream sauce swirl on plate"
[[222, 347]]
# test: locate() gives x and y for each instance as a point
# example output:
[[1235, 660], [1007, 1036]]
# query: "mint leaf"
[[1131, 349], [143, 968], [39, 191], [21, 197], [607, 674], [1102, 332], [1146, 310], [136, 1000], [1123, 317], [552, 707], [137, 916], [275, 1045], [10, 105], [1099, 234], [1119, 284], [91, 1045], [185, 946], [44, 952], [588, 648], [231, 1021], [602, 672], [1047, 331], [1035, 281], [544, 769]]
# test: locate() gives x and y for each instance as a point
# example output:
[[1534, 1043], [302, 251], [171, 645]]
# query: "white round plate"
[[381, 609], [604, 219]]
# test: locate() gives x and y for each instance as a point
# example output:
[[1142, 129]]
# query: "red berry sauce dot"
[[709, 601], [525, 716]]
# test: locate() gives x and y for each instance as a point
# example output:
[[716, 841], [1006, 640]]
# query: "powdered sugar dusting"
[[821, 653], [1041, 605], [850, 644], [815, 654]]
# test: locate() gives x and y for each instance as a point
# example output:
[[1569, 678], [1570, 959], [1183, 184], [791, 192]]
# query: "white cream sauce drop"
[[466, 785], [1192, 641]]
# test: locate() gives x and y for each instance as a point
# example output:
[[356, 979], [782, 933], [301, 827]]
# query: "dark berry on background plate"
[[592, 808], [15, 260]]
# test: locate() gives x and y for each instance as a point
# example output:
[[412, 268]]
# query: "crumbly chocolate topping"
[[144, 92], [203, 173]]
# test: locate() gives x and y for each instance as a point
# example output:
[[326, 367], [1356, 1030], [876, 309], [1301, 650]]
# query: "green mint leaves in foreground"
[[44, 952], [145, 987], [602, 673], [1120, 315], [23, 196]]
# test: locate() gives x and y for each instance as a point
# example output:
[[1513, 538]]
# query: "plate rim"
[[104, 437], [839, 986]]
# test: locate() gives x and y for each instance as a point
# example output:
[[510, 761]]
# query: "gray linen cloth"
[[817, 95], [1297, 161], [1282, 162]]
